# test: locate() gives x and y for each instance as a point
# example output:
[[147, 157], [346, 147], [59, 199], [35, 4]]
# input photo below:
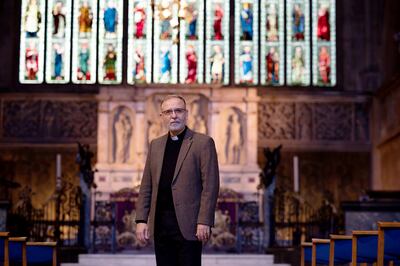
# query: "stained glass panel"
[[84, 41], [31, 59], [217, 42], [324, 43], [58, 41], [110, 41], [272, 43], [298, 42], [166, 31], [191, 41], [139, 42], [246, 42]]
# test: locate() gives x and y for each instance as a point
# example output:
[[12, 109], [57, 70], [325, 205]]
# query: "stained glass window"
[[217, 42], [324, 43], [58, 42], [272, 43], [298, 42], [275, 42], [166, 31], [191, 41], [110, 41], [139, 41], [31, 60], [84, 41], [246, 42]]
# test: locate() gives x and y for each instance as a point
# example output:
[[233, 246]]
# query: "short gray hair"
[[172, 96]]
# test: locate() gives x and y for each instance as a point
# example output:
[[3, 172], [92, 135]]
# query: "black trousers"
[[171, 248]]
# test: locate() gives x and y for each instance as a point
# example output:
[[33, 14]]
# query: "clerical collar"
[[179, 136]]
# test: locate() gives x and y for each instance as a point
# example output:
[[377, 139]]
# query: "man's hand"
[[203, 232], [142, 232]]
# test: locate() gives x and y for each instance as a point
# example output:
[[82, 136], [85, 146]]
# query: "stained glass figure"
[[85, 19], [217, 65], [273, 61], [323, 31], [84, 67], [272, 23], [324, 65], [218, 16], [33, 19], [246, 21], [191, 61], [110, 60], [139, 19], [59, 19], [110, 19], [298, 66], [166, 65], [246, 65], [298, 22], [31, 61]]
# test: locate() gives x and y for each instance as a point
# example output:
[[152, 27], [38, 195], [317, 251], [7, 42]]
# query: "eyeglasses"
[[177, 111]]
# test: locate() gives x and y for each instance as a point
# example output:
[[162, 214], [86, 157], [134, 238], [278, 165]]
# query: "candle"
[[296, 173], [58, 165]]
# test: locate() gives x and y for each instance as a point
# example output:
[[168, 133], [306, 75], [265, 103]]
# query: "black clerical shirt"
[[164, 198]]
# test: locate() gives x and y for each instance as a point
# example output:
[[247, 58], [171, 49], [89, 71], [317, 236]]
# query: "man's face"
[[174, 115]]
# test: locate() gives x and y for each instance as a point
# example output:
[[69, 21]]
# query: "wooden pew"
[[41, 253], [340, 249], [320, 251], [17, 250], [4, 255], [305, 253], [392, 248], [360, 239]]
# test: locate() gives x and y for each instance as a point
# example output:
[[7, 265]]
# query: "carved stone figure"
[[234, 139], [154, 130], [123, 132], [305, 123]]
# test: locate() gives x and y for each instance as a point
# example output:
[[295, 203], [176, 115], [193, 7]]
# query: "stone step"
[[149, 260]]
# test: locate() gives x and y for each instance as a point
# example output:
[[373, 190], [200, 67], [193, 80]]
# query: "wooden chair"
[[305, 253], [388, 242], [340, 249], [320, 251], [17, 250], [41, 253], [364, 247], [4, 254]]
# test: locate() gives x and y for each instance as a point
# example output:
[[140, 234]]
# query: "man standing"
[[179, 190]]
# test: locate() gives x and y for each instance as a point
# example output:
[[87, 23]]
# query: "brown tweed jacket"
[[195, 184]]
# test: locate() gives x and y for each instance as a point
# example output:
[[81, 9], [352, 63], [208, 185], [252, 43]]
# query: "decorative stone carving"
[[276, 121], [45, 120], [303, 121], [333, 121]]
